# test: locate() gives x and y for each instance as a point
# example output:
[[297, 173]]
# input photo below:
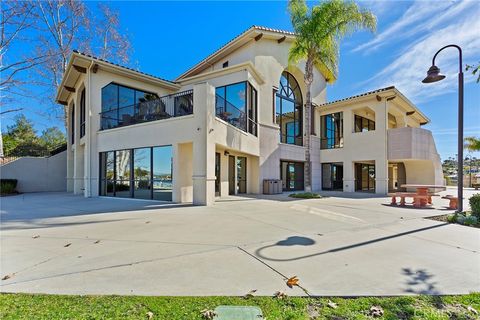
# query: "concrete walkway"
[[335, 245]]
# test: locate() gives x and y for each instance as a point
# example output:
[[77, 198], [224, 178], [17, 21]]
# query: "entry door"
[[231, 175], [241, 175], [291, 174], [217, 174]]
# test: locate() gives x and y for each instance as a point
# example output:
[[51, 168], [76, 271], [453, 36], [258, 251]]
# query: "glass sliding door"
[[162, 173], [364, 177], [292, 176], [217, 174], [332, 176], [143, 173], [241, 175]]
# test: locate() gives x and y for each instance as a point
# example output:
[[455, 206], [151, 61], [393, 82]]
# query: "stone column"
[[203, 147], [381, 163]]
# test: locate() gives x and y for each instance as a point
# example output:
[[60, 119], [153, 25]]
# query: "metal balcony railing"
[[173, 105]]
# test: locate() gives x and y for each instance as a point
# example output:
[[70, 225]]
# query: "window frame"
[[325, 130], [298, 107], [82, 113], [369, 124]]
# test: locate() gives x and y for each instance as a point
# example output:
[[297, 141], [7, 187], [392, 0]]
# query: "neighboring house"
[[231, 121]]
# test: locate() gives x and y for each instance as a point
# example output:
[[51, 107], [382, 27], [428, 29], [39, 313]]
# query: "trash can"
[[267, 186], [279, 186]]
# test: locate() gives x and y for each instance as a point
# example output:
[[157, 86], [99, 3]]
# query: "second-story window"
[[72, 124], [331, 131], [363, 124], [237, 104], [82, 113], [289, 110]]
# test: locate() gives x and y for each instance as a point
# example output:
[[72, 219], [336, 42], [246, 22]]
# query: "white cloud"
[[411, 64]]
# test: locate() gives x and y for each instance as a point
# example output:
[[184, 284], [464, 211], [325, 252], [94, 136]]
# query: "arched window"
[[288, 110]]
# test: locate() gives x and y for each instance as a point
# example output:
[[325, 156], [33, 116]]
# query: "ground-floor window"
[[292, 175], [142, 173], [332, 176], [364, 177]]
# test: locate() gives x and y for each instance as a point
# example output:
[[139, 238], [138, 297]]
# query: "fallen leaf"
[[149, 314], [8, 276], [207, 314], [280, 295], [312, 312], [67, 245], [79, 256], [472, 310], [98, 241], [293, 281], [36, 236], [332, 304], [250, 294], [148, 222], [376, 311]]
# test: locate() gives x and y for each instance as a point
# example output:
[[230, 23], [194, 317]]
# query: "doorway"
[[364, 177], [241, 175], [332, 176], [217, 174], [231, 175], [291, 174]]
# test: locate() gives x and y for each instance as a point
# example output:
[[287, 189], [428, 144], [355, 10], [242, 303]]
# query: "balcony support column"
[[203, 145]]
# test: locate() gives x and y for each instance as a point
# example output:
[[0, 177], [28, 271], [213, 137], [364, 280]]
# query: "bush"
[[305, 195], [452, 218], [475, 204], [8, 186], [470, 220]]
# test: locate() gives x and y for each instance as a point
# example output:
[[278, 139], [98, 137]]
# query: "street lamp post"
[[433, 75]]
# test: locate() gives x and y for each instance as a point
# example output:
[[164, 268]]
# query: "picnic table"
[[423, 197]]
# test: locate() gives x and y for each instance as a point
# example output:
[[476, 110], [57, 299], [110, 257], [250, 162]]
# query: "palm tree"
[[472, 144], [318, 34]]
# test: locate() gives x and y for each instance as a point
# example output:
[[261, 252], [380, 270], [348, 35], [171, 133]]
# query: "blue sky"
[[169, 37]]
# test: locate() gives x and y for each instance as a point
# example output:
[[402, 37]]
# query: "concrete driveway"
[[60, 243]]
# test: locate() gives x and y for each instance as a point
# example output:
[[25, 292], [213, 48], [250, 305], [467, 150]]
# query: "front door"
[[291, 174], [231, 175], [217, 174], [241, 175]]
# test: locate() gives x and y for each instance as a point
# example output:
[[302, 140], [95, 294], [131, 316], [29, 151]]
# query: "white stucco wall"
[[38, 174]]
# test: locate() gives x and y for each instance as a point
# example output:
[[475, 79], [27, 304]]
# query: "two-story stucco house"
[[231, 121]]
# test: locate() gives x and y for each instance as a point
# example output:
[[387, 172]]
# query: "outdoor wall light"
[[433, 75]]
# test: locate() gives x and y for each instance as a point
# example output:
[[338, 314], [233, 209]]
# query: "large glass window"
[[288, 110], [237, 105], [363, 124], [72, 124], [332, 131], [144, 173], [82, 113]]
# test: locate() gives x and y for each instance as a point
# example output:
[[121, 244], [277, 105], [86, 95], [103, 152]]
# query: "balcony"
[[411, 143], [174, 105]]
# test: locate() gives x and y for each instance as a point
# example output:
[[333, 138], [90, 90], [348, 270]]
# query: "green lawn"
[[51, 307]]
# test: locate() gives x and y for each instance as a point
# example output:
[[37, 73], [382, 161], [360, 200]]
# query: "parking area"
[[338, 245]]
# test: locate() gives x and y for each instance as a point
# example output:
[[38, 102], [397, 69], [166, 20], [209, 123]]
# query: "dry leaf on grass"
[[36, 236], [98, 241], [149, 315], [250, 294], [312, 311], [280, 295], [67, 245], [8, 276], [293, 281], [376, 311], [207, 314], [332, 304]]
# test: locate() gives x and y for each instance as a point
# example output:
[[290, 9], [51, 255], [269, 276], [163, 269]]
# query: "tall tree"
[[45, 32], [319, 31], [472, 144]]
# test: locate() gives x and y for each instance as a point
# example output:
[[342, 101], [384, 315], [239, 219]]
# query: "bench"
[[453, 204], [419, 201]]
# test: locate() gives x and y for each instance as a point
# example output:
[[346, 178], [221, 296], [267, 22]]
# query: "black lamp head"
[[433, 75]]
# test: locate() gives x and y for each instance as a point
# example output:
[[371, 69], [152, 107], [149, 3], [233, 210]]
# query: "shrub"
[[460, 218], [475, 204], [452, 218], [470, 220], [8, 186], [305, 195]]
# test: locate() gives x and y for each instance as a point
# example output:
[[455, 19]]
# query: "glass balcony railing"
[[174, 105]]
